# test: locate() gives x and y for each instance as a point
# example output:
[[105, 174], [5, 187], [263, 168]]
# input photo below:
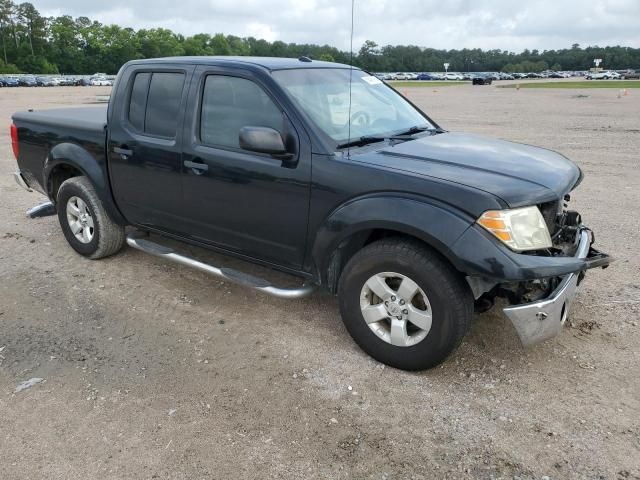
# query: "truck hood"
[[518, 174]]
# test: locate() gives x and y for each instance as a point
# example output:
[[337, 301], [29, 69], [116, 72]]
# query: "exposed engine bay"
[[564, 228]]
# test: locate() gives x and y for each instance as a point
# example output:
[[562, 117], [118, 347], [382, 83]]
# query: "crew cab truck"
[[323, 171]]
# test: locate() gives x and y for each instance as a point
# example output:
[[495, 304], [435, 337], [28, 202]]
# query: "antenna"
[[350, 78]]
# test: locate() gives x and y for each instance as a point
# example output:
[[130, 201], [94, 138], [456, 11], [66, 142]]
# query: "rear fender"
[[77, 157]]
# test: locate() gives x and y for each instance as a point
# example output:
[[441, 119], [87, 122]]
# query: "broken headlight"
[[520, 228]]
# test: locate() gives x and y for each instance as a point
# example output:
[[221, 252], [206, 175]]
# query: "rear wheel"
[[403, 304], [84, 221]]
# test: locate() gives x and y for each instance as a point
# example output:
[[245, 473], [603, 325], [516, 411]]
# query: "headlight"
[[520, 229]]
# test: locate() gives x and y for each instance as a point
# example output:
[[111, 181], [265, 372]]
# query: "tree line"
[[36, 44]]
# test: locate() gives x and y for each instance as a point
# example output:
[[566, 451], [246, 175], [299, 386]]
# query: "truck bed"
[[86, 118], [41, 131]]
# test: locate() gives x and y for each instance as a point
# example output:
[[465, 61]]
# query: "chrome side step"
[[229, 274], [45, 209]]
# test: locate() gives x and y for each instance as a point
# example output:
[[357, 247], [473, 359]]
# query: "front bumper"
[[541, 320]]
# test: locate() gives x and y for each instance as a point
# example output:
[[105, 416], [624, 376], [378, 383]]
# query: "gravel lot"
[[152, 370]]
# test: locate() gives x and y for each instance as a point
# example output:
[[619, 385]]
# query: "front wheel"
[[85, 223], [403, 304]]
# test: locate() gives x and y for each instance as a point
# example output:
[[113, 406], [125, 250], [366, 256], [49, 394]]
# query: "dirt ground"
[[152, 370]]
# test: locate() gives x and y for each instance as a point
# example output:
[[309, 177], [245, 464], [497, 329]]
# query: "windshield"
[[376, 110]]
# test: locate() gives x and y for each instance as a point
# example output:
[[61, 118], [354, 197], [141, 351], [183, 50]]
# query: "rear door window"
[[154, 104], [138, 102]]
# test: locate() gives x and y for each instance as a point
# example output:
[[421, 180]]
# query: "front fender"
[[79, 158], [437, 224]]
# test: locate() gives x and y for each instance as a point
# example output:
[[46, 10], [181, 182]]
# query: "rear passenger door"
[[144, 146]]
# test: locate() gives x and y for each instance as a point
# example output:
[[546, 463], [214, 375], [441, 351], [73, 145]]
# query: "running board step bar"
[[229, 274], [45, 209]]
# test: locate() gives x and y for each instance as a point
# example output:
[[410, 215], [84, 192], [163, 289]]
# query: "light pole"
[[597, 62], [446, 68]]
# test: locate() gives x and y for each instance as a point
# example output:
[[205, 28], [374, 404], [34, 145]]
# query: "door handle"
[[203, 167], [123, 152]]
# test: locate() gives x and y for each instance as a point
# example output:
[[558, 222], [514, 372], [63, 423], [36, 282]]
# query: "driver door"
[[251, 203]]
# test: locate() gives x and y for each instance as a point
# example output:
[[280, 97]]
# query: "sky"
[[445, 24]]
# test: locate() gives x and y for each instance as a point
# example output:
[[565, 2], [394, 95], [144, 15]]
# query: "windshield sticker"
[[371, 80]]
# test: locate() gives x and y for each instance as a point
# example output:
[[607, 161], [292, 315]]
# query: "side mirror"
[[262, 140]]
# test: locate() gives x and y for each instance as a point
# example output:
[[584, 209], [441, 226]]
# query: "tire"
[[104, 237], [449, 302]]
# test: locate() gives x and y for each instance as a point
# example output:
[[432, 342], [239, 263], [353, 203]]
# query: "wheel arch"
[[67, 160], [365, 220]]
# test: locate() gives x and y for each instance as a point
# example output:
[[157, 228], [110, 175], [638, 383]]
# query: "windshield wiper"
[[414, 130], [406, 135], [359, 142]]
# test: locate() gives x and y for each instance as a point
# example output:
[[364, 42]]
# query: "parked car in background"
[[534, 75], [505, 76], [59, 81], [9, 82], [28, 81], [45, 82], [604, 75], [481, 79], [389, 76], [551, 74], [631, 75], [453, 76], [100, 81], [401, 76], [426, 76]]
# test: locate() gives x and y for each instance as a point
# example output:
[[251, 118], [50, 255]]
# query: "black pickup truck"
[[325, 172]]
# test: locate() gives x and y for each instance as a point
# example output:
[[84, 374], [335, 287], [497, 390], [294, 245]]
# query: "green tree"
[[159, 42], [6, 10], [66, 47], [8, 68], [35, 26], [326, 57], [220, 45]]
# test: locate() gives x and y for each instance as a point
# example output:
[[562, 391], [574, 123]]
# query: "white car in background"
[[100, 82], [401, 76], [606, 75], [453, 76]]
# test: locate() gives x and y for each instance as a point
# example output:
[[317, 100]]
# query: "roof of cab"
[[270, 63]]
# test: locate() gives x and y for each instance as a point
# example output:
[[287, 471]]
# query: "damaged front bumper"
[[541, 320]]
